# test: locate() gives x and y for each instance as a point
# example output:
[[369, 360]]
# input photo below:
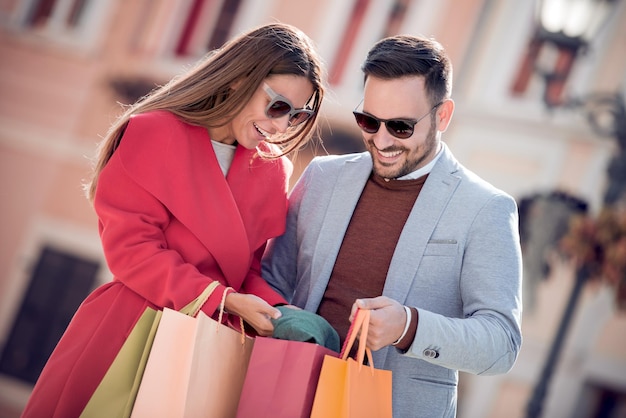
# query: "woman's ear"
[[444, 114], [235, 84]]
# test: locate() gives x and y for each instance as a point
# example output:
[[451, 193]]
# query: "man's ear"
[[444, 114]]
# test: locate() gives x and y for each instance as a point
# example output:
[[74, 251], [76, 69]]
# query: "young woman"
[[189, 184]]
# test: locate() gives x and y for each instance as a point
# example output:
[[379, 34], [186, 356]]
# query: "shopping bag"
[[348, 388], [281, 379], [196, 368], [116, 393]]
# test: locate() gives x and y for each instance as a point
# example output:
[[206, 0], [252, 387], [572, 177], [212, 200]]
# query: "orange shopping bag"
[[349, 389]]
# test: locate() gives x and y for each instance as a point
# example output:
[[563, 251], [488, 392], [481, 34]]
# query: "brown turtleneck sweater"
[[361, 267]]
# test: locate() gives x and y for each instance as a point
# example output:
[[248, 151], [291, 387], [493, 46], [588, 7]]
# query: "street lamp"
[[572, 20], [564, 30], [568, 27]]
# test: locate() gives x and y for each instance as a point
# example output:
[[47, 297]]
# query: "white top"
[[225, 154]]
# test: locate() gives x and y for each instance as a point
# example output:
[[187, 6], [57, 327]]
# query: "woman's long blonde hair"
[[203, 97]]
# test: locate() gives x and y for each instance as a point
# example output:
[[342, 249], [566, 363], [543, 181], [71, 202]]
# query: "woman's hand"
[[254, 310]]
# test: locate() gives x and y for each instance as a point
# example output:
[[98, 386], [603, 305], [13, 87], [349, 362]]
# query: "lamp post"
[[569, 26], [565, 27]]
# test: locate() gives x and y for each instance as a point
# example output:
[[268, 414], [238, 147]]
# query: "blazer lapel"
[[423, 219], [344, 197]]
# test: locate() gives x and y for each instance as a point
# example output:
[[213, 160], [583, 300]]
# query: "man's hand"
[[387, 320]]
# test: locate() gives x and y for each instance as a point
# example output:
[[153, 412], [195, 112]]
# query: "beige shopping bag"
[[196, 368]]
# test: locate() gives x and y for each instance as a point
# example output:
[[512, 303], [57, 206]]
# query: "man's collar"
[[422, 171]]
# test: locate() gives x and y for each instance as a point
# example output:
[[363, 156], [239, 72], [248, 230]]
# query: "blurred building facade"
[[65, 65]]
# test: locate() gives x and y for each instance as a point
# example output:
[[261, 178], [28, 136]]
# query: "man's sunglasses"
[[280, 106], [400, 128]]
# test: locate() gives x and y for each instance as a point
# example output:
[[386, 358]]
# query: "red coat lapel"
[[259, 187], [176, 163]]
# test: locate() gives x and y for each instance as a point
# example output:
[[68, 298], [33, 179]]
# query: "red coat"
[[170, 223]]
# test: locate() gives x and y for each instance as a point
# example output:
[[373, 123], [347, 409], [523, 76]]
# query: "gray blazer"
[[458, 261]]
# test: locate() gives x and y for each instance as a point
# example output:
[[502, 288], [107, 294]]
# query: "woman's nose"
[[281, 124]]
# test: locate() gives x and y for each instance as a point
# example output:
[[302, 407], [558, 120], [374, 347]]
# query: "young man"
[[406, 231]]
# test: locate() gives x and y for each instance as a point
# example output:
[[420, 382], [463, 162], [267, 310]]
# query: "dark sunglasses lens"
[[278, 109], [299, 117], [399, 129], [367, 123]]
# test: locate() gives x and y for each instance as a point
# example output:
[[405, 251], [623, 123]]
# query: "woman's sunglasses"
[[399, 128], [280, 106]]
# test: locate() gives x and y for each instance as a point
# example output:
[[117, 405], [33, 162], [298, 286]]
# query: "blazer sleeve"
[[279, 265], [488, 338], [256, 285]]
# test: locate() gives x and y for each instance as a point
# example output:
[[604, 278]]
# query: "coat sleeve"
[[132, 223]]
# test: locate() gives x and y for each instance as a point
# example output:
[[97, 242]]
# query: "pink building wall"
[[56, 100]]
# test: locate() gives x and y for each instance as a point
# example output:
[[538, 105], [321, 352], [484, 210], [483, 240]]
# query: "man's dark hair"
[[405, 56]]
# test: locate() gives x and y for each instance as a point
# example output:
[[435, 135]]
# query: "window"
[[394, 21], [347, 41], [207, 26], [58, 284], [71, 22], [221, 31], [396, 17], [59, 13], [600, 400]]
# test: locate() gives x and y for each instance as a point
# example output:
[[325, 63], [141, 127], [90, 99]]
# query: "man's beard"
[[412, 161]]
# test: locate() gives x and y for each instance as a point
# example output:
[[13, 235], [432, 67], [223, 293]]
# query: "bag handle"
[[356, 325], [193, 307], [219, 319], [361, 322]]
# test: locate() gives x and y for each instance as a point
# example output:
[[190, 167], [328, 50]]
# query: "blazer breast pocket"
[[442, 248]]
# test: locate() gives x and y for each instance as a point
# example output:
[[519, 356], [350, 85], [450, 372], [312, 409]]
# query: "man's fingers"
[[374, 303]]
